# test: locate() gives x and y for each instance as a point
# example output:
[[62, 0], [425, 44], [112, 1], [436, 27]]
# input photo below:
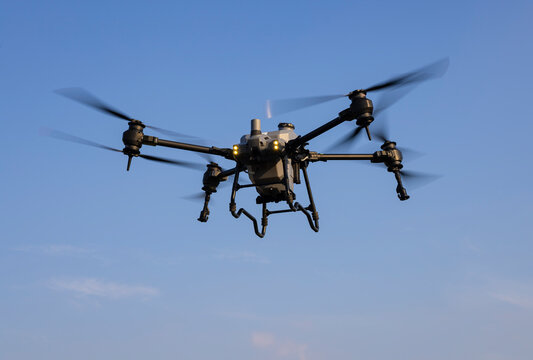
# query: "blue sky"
[[100, 263]]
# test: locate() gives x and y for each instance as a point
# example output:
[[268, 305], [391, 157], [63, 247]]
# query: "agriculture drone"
[[273, 160]]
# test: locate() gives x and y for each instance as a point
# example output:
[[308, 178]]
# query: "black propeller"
[[86, 98], [282, 106], [68, 137], [200, 196], [431, 71], [417, 179], [384, 102], [414, 179], [380, 131]]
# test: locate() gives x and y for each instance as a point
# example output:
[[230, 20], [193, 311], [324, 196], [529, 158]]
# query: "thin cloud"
[[56, 249], [102, 289], [292, 349], [281, 349], [522, 301], [262, 339], [242, 256]]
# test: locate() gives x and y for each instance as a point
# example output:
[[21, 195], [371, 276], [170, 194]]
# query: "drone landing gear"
[[309, 211]]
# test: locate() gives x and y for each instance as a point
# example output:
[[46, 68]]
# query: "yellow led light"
[[235, 147], [276, 147], [235, 152], [276, 142]]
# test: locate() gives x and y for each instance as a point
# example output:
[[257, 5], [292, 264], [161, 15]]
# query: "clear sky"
[[97, 263]]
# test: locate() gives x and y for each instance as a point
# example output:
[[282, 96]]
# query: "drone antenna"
[[256, 127]]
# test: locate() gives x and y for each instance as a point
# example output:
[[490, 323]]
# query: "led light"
[[235, 149], [276, 147], [235, 153], [276, 142]]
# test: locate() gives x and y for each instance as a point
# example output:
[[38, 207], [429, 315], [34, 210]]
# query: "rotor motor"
[[133, 140], [361, 110], [392, 157], [211, 178]]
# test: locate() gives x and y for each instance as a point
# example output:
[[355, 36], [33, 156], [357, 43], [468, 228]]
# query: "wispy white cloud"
[[262, 339], [279, 348], [520, 300], [240, 315], [103, 289], [241, 256], [56, 249], [292, 349]]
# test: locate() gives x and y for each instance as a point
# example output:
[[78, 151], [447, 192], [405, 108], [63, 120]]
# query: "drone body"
[[275, 160], [260, 153]]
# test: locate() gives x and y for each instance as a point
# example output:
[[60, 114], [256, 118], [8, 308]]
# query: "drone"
[[274, 160]]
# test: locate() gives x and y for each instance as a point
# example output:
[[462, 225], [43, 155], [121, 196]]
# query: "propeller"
[[380, 128], [417, 179], [282, 106], [380, 131], [219, 184], [200, 196], [414, 179], [68, 137], [195, 197], [431, 71], [86, 98]]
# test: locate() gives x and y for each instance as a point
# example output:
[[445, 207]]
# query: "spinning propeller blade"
[[195, 197], [186, 164], [283, 106], [431, 71], [346, 140], [68, 137], [416, 179], [86, 98], [390, 98]]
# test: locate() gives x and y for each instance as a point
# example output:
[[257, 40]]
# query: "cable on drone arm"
[[155, 141], [314, 156]]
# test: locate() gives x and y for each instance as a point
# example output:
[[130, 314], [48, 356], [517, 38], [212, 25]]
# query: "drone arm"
[[313, 157], [377, 157], [224, 174], [313, 134], [361, 109], [154, 141]]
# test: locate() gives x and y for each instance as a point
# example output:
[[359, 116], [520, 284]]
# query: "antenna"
[[256, 127]]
